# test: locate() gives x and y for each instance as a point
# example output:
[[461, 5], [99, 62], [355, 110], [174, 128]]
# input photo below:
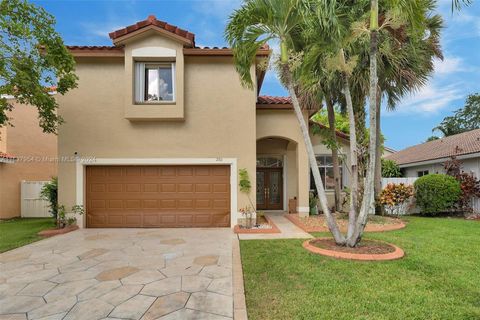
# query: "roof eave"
[[102, 53]]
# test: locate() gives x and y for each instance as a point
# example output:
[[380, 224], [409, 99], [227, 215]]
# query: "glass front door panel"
[[274, 186], [260, 188]]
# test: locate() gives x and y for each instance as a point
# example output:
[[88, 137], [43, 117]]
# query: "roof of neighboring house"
[[389, 149], [152, 21], [5, 157], [456, 145]]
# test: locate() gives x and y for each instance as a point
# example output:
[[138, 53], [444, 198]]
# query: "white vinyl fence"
[[32, 205], [407, 181], [476, 205]]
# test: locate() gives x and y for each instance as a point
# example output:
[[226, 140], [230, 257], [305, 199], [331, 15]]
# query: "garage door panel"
[[158, 196]]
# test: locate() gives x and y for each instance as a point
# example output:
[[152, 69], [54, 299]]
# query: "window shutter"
[[139, 81]]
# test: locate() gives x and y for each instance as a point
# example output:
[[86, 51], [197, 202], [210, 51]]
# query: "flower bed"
[[264, 225], [318, 223], [53, 232], [367, 250]]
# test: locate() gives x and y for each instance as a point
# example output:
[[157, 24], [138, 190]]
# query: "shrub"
[[436, 193], [390, 169], [395, 197], [49, 192], [469, 184]]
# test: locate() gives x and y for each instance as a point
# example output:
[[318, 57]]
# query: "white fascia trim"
[[439, 160], [81, 163]]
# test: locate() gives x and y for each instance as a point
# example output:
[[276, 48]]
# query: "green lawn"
[[439, 278], [18, 232]]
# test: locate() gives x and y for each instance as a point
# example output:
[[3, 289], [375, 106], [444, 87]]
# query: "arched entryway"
[[276, 178]]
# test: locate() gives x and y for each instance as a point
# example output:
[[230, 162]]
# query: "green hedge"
[[436, 193]]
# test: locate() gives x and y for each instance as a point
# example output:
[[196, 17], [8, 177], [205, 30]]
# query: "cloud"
[[101, 29], [448, 65], [431, 99]]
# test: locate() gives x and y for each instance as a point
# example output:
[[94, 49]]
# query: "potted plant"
[[245, 187], [313, 203]]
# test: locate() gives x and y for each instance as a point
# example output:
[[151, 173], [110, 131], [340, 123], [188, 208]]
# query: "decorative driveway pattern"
[[120, 274]]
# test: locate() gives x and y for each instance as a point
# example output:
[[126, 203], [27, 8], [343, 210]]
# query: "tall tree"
[[33, 57], [252, 25], [336, 45], [463, 119]]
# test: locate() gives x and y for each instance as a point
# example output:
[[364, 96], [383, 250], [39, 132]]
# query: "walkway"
[[287, 228]]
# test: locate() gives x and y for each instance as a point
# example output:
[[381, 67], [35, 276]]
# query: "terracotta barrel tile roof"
[[273, 100], [456, 145], [105, 48], [152, 21]]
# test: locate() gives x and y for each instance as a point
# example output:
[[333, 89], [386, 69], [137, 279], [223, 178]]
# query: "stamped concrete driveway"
[[120, 274]]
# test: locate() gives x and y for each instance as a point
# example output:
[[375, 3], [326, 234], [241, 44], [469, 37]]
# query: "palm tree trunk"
[[335, 161], [378, 158], [352, 213], [368, 201], [331, 221]]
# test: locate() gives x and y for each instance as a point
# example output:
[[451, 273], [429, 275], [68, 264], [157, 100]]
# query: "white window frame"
[[320, 167], [139, 82]]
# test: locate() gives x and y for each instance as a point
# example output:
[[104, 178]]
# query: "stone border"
[[293, 218], [397, 254], [273, 229], [239, 304], [53, 232]]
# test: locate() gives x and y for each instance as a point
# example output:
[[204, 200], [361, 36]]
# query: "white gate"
[[476, 205], [32, 205], [407, 181]]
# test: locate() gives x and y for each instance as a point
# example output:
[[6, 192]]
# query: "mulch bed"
[[318, 223], [53, 232], [367, 250], [365, 246], [262, 220]]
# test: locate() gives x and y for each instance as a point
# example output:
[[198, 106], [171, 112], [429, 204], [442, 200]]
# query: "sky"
[[88, 22]]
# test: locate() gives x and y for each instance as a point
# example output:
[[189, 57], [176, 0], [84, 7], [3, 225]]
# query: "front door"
[[269, 189]]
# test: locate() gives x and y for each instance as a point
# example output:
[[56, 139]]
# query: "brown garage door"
[[157, 196]]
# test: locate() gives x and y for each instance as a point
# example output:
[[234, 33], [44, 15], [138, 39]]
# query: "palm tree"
[[339, 48], [252, 25], [457, 4]]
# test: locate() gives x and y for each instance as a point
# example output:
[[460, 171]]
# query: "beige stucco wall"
[[26, 141], [219, 120], [3, 139]]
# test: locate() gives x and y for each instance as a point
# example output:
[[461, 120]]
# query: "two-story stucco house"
[[161, 127]]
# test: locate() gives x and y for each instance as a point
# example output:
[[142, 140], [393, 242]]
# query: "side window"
[[154, 82], [325, 166], [422, 173]]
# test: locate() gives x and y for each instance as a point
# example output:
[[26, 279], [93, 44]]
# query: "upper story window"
[[154, 82]]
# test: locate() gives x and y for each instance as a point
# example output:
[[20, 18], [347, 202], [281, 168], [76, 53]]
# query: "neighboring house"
[[429, 157], [26, 153], [160, 128], [387, 151]]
